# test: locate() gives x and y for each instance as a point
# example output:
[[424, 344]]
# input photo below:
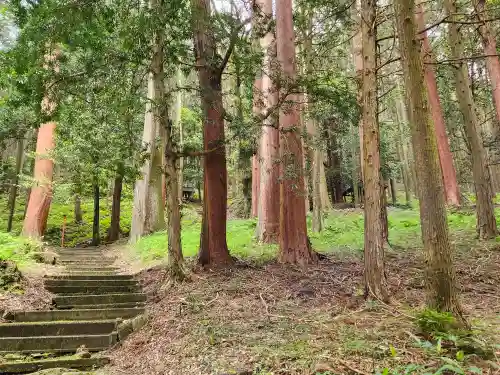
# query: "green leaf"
[[460, 355]]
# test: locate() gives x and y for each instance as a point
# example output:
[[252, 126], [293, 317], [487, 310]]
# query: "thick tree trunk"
[[440, 274], [38, 206], [14, 183], [492, 60], [148, 209], [114, 229], [269, 190], [294, 245], [451, 189], [96, 237], [375, 281], [486, 222], [213, 249]]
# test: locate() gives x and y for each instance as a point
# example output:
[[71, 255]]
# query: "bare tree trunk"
[[269, 190], [14, 183], [77, 211], [375, 281], [96, 237], [393, 191], [294, 244], [255, 184], [38, 206], [213, 249], [114, 229], [492, 61], [451, 189], [486, 222], [148, 209], [177, 119], [325, 199], [440, 274]]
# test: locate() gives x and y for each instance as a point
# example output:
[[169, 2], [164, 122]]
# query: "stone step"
[[103, 306], [65, 315], [80, 253], [86, 262], [59, 344], [91, 268], [89, 283], [99, 299], [89, 273], [29, 329], [89, 276], [92, 289], [66, 363]]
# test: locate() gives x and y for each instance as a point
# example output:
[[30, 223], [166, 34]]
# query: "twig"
[[354, 369]]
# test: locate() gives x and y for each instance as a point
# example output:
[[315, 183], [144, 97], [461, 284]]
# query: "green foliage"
[[18, 249], [435, 323]]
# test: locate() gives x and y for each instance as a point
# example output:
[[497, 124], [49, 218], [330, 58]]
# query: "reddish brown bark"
[[448, 172], [268, 179], [492, 60], [213, 245], [40, 197], [293, 241]]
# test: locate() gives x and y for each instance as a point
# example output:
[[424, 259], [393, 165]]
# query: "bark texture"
[[40, 196], [96, 237], [148, 209], [375, 281], [440, 274], [293, 241], [213, 245], [451, 188], [77, 211], [488, 40], [486, 222]]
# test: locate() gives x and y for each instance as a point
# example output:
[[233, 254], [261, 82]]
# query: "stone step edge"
[[32, 366]]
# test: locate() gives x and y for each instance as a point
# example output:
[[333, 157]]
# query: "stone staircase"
[[91, 302]]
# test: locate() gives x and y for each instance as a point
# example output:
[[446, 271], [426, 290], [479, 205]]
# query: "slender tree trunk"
[[148, 209], [255, 184], [451, 189], [177, 119], [38, 206], [294, 244], [269, 190], [400, 115], [488, 40], [213, 249], [486, 222], [440, 274], [114, 229], [15, 182], [375, 281], [96, 237], [393, 191], [78, 209], [357, 52], [325, 199]]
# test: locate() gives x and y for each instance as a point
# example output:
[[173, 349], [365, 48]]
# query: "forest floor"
[[274, 319]]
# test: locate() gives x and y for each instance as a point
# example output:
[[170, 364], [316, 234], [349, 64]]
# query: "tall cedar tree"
[[486, 222], [440, 273], [488, 40], [294, 244], [38, 207], [375, 281], [451, 189], [269, 190], [213, 245]]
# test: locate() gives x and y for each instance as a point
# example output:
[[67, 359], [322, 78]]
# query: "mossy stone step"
[[103, 306], [10, 368], [98, 299], [90, 276], [58, 344], [28, 329], [92, 289], [80, 314], [95, 282]]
